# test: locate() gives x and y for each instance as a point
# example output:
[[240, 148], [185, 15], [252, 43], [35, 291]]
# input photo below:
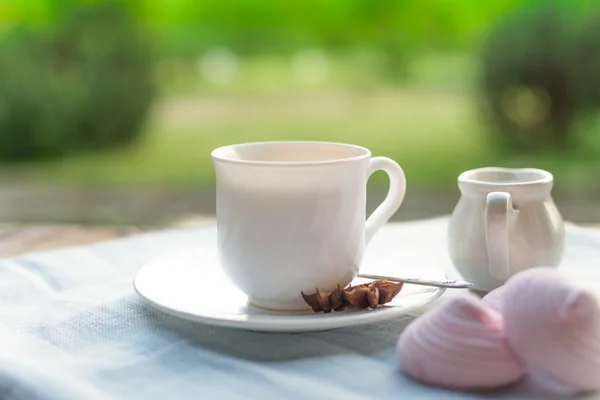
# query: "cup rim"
[[216, 154], [467, 177]]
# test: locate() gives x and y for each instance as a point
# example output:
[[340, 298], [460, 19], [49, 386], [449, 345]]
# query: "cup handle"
[[497, 208], [394, 197]]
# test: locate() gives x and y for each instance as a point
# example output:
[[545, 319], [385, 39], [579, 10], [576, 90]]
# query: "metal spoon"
[[450, 284]]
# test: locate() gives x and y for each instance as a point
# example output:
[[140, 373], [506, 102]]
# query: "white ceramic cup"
[[505, 222], [291, 216]]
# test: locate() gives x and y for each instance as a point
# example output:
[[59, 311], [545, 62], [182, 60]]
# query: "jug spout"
[[500, 216]]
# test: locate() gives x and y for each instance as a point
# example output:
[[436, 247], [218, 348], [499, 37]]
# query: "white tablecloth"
[[71, 327]]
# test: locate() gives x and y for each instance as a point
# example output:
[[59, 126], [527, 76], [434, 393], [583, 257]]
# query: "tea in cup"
[[505, 222], [291, 216]]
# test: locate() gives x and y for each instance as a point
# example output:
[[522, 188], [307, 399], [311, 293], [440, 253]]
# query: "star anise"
[[366, 296]]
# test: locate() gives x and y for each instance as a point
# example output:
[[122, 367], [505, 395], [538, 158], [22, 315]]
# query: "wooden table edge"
[[17, 239]]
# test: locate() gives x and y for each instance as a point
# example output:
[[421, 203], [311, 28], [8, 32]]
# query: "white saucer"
[[191, 285]]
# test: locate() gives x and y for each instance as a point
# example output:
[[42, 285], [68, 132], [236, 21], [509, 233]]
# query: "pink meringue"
[[494, 299], [461, 344], [553, 324]]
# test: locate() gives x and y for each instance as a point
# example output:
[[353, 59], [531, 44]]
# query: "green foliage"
[[540, 74], [86, 84], [184, 29], [586, 59]]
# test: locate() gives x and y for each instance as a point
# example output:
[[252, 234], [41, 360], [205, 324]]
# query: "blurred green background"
[[109, 109]]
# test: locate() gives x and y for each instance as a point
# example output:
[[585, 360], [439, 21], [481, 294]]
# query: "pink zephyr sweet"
[[553, 324], [461, 344], [540, 323]]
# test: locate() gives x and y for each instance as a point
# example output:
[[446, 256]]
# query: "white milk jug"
[[504, 222]]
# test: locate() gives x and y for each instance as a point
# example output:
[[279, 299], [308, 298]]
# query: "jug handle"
[[497, 209]]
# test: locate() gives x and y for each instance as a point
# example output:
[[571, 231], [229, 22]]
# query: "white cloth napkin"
[[71, 327]]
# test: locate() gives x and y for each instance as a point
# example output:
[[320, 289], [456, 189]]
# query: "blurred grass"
[[434, 136], [361, 69], [429, 125]]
